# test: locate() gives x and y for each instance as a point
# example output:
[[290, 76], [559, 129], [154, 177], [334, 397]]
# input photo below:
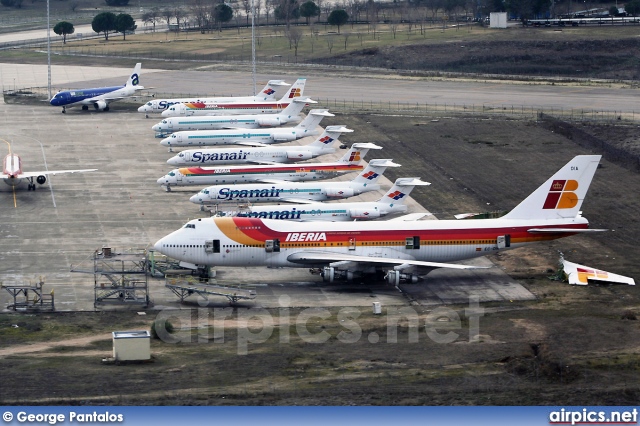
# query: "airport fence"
[[431, 110]]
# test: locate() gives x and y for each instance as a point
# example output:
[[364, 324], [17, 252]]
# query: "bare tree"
[[246, 6], [320, 4], [330, 41], [180, 15], [294, 35], [199, 11], [74, 5], [393, 26], [167, 15], [346, 38]]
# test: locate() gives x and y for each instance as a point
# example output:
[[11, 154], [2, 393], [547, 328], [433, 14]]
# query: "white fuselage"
[[264, 192], [230, 137], [245, 241], [332, 212], [160, 105], [174, 124], [239, 174], [199, 109], [246, 155]]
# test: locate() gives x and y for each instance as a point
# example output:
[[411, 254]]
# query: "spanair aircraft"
[[405, 251], [390, 203], [295, 192], [250, 121], [350, 162], [262, 137], [189, 109], [266, 94], [261, 155], [99, 97], [13, 175]]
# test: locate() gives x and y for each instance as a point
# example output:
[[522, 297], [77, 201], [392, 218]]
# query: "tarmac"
[[46, 234]]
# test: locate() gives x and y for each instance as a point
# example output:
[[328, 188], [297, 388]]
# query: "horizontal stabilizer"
[[563, 230], [339, 128], [321, 113], [583, 275], [410, 217]]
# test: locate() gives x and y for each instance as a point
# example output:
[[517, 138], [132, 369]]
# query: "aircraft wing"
[[53, 172], [583, 275], [247, 143], [298, 200], [315, 257], [410, 217]]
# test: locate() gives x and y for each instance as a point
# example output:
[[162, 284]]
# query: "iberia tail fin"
[[561, 196]]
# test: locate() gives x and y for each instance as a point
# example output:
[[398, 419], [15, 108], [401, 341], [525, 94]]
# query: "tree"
[[613, 11], [287, 10], [632, 7], [151, 17], [103, 23], [8, 3], [117, 2], [308, 10], [123, 23], [63, 28], [294, 35], [222, 13], [338, 17]]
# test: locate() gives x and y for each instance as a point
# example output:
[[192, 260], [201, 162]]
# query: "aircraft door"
[[272, 246], [212, 246], [352, 243], [503, 241]]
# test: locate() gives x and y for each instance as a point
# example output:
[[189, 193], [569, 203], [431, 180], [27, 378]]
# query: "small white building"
[[131, 345], [498, 20]]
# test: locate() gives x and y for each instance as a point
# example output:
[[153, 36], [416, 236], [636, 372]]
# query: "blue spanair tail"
[[561, 196]]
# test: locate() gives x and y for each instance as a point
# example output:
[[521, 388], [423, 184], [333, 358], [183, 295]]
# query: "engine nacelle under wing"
[[364, 213], [100, 105], [340, 192], [268, 122], [299, 155], [41, 179], [287, 137]]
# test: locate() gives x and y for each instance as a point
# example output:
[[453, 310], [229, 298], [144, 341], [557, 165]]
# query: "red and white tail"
[[329, 136], [268, 92], [401, 189], [373, 171], [561, 196], [296, 90], [357, 152]]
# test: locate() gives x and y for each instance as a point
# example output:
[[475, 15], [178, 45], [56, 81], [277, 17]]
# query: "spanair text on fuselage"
[[248, 241]]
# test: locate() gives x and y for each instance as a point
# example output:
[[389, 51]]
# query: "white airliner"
[[189, 109], [249, 121], [350, 162], [98, 97], [268, 93], [295, 192], [261, 155], [402, 250], [261, 137], [390, 203], [13, 175]]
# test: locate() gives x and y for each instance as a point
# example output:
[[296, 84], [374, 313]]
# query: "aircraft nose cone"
[[161, 181], [158, 245], [165, 142], [166, 113], [196, 199], [174, 161], [156, 128], [143, 108]]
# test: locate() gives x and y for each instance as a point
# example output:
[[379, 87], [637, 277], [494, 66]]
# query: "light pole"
[[48, 52]]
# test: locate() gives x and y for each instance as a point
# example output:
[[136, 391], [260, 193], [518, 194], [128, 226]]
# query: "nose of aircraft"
[[196, 199], [158, 245], [166, 141], [166, 113], [174, 161], [156, 127], [143, 108], [162, 180]]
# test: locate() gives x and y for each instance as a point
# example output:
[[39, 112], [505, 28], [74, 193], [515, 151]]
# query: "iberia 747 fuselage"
[[403, 250]]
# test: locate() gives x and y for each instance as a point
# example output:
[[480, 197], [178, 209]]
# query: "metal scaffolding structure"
[[38, 302]]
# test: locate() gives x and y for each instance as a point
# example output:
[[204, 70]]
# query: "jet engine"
[[330, 274], [268, 122], [41, 179], [395, 277], [299, 155], [364, 213], [287, 137], [100, 105], [340, 192]]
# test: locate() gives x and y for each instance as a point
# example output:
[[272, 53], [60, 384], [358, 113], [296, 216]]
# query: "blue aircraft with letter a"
[[99, 97]]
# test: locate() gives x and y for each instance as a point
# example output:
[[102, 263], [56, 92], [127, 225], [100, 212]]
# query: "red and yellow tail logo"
[[355, 156], [294, 93], [561, 195], [585, 273]]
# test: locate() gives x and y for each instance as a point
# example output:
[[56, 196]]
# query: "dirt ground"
[[571, 346]]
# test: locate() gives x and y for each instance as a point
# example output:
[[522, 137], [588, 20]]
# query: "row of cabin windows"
[[365, 243]]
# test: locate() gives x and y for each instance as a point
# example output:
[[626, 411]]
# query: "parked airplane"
[[295, 192], [350, 162], [189, 109], [405, 251], [13, 175], [263, 137], [99, 97], [249, 121], [266, 94], [261, 155], [390, 203]]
